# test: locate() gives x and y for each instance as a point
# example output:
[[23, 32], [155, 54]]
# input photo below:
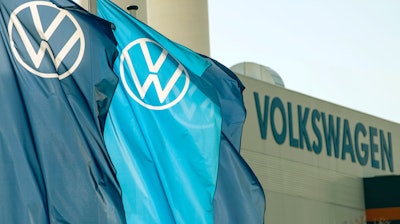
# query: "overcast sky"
[[343, 51]]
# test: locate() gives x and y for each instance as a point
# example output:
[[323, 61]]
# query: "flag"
[[56, 84], [163, 128], [239, 196]]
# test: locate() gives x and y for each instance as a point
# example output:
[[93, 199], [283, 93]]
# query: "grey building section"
[[311, 155], [183, 21], [259, 72]]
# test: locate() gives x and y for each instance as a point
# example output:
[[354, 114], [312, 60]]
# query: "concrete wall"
[[183, 21], [304, 184]]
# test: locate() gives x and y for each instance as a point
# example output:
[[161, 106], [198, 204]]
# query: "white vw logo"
[[154, 73], [194, 115], [49, 49]]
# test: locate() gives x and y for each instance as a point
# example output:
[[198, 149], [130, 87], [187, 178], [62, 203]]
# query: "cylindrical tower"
[[183, 21]]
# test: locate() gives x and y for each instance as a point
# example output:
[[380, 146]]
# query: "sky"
[[342, 51]]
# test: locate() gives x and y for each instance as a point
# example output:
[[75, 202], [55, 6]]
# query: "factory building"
[[315, 158]]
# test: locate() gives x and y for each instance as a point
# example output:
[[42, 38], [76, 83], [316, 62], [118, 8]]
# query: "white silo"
[[259, 72], [183, 21]]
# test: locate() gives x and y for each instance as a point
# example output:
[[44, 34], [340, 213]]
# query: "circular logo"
[[151, 76], [46, 40]]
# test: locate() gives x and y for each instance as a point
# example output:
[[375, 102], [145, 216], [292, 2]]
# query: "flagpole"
[[92, 6]]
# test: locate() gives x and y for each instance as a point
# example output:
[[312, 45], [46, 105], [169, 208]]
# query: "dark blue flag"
[[56, 84], [239, 197]]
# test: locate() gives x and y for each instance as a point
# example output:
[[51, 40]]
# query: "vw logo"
[[46, 40], [151, 76]]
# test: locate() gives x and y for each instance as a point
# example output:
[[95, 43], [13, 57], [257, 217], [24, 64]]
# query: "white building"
[[311, 155]]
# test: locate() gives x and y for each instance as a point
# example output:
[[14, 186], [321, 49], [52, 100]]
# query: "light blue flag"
[[162, 131]]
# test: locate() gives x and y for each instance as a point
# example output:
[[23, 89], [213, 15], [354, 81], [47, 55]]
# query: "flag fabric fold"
[[239, 197], [163, 128], [140, 131], [56, 84]]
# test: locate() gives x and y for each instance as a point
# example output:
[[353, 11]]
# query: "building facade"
[[183, 21], [311, 156]]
